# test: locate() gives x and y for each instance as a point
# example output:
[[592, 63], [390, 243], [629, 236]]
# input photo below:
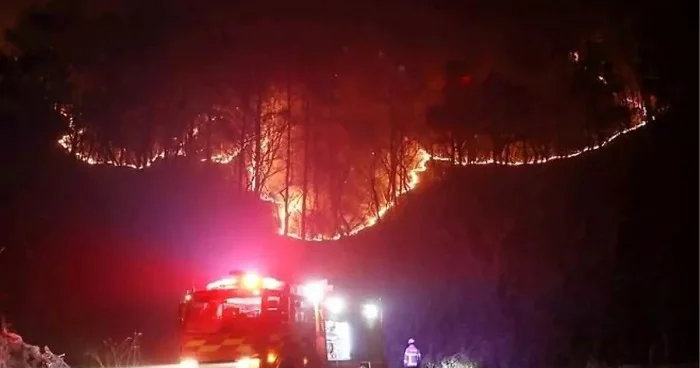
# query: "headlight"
[[189, 363], [314, 291], [335, 304], [370, 311], [248, 363]]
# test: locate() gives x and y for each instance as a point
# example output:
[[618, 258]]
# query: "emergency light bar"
[[318, 292], [248, 281]]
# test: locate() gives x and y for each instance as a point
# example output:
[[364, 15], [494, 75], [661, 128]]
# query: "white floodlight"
[[314, 291], [335, 304], [370, 311]]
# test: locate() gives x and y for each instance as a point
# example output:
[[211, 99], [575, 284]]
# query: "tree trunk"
[[242, 174], [207, 149], [258, 143], [460, 152], [403, 171], [373, 186], [305, 175], [288, 174], [391, 192], [334, 192], [453, 150], [315, 175]]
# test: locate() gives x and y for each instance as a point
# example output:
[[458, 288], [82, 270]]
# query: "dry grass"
[[112, 354], [453, 361]]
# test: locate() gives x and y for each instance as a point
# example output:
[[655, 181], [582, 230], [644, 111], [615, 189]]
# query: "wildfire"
[[414, 176], [67, 140], [272, 192], [413, 179]]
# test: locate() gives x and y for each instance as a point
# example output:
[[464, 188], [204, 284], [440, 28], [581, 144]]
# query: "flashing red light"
[[271, 283], [248, 281], [465, 79]]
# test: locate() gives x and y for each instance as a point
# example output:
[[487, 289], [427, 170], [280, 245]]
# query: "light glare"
[[251, 281], [189, 363], [248, 363], [370, 311], [314, 291], [335, 304]]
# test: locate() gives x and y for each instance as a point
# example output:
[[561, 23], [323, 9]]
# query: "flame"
[[66, 142], [641, 123], [413, 180], [295, 206]]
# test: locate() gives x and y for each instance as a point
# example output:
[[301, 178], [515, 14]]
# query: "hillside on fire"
[[508, 182], [334, 129]]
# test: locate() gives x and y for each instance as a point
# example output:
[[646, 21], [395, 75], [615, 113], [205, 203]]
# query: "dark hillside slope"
[[552, 260], [528, 251], [545, 262]]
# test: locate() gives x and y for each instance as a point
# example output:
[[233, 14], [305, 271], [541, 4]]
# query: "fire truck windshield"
[[213, 311]]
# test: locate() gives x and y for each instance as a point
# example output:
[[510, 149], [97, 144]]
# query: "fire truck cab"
[[250, 321]]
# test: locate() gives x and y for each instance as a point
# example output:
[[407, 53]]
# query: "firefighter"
[[411, 357]]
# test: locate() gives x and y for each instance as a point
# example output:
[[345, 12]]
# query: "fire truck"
[[250, 321]]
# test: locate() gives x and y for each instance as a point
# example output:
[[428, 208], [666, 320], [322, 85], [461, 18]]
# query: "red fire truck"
[[250, 321]]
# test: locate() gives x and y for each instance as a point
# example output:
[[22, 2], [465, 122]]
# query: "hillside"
[[594, 249], [537, 242]]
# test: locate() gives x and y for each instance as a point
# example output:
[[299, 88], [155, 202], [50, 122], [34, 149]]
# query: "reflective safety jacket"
[[411, 357]]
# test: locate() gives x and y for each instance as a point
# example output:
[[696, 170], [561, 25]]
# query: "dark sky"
[[8, 12], [10, 8]]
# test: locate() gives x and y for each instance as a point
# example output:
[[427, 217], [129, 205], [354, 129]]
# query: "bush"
[[15, 353], [453, 361]]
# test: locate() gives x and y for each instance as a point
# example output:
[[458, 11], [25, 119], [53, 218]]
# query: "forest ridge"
[[332, 126]]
